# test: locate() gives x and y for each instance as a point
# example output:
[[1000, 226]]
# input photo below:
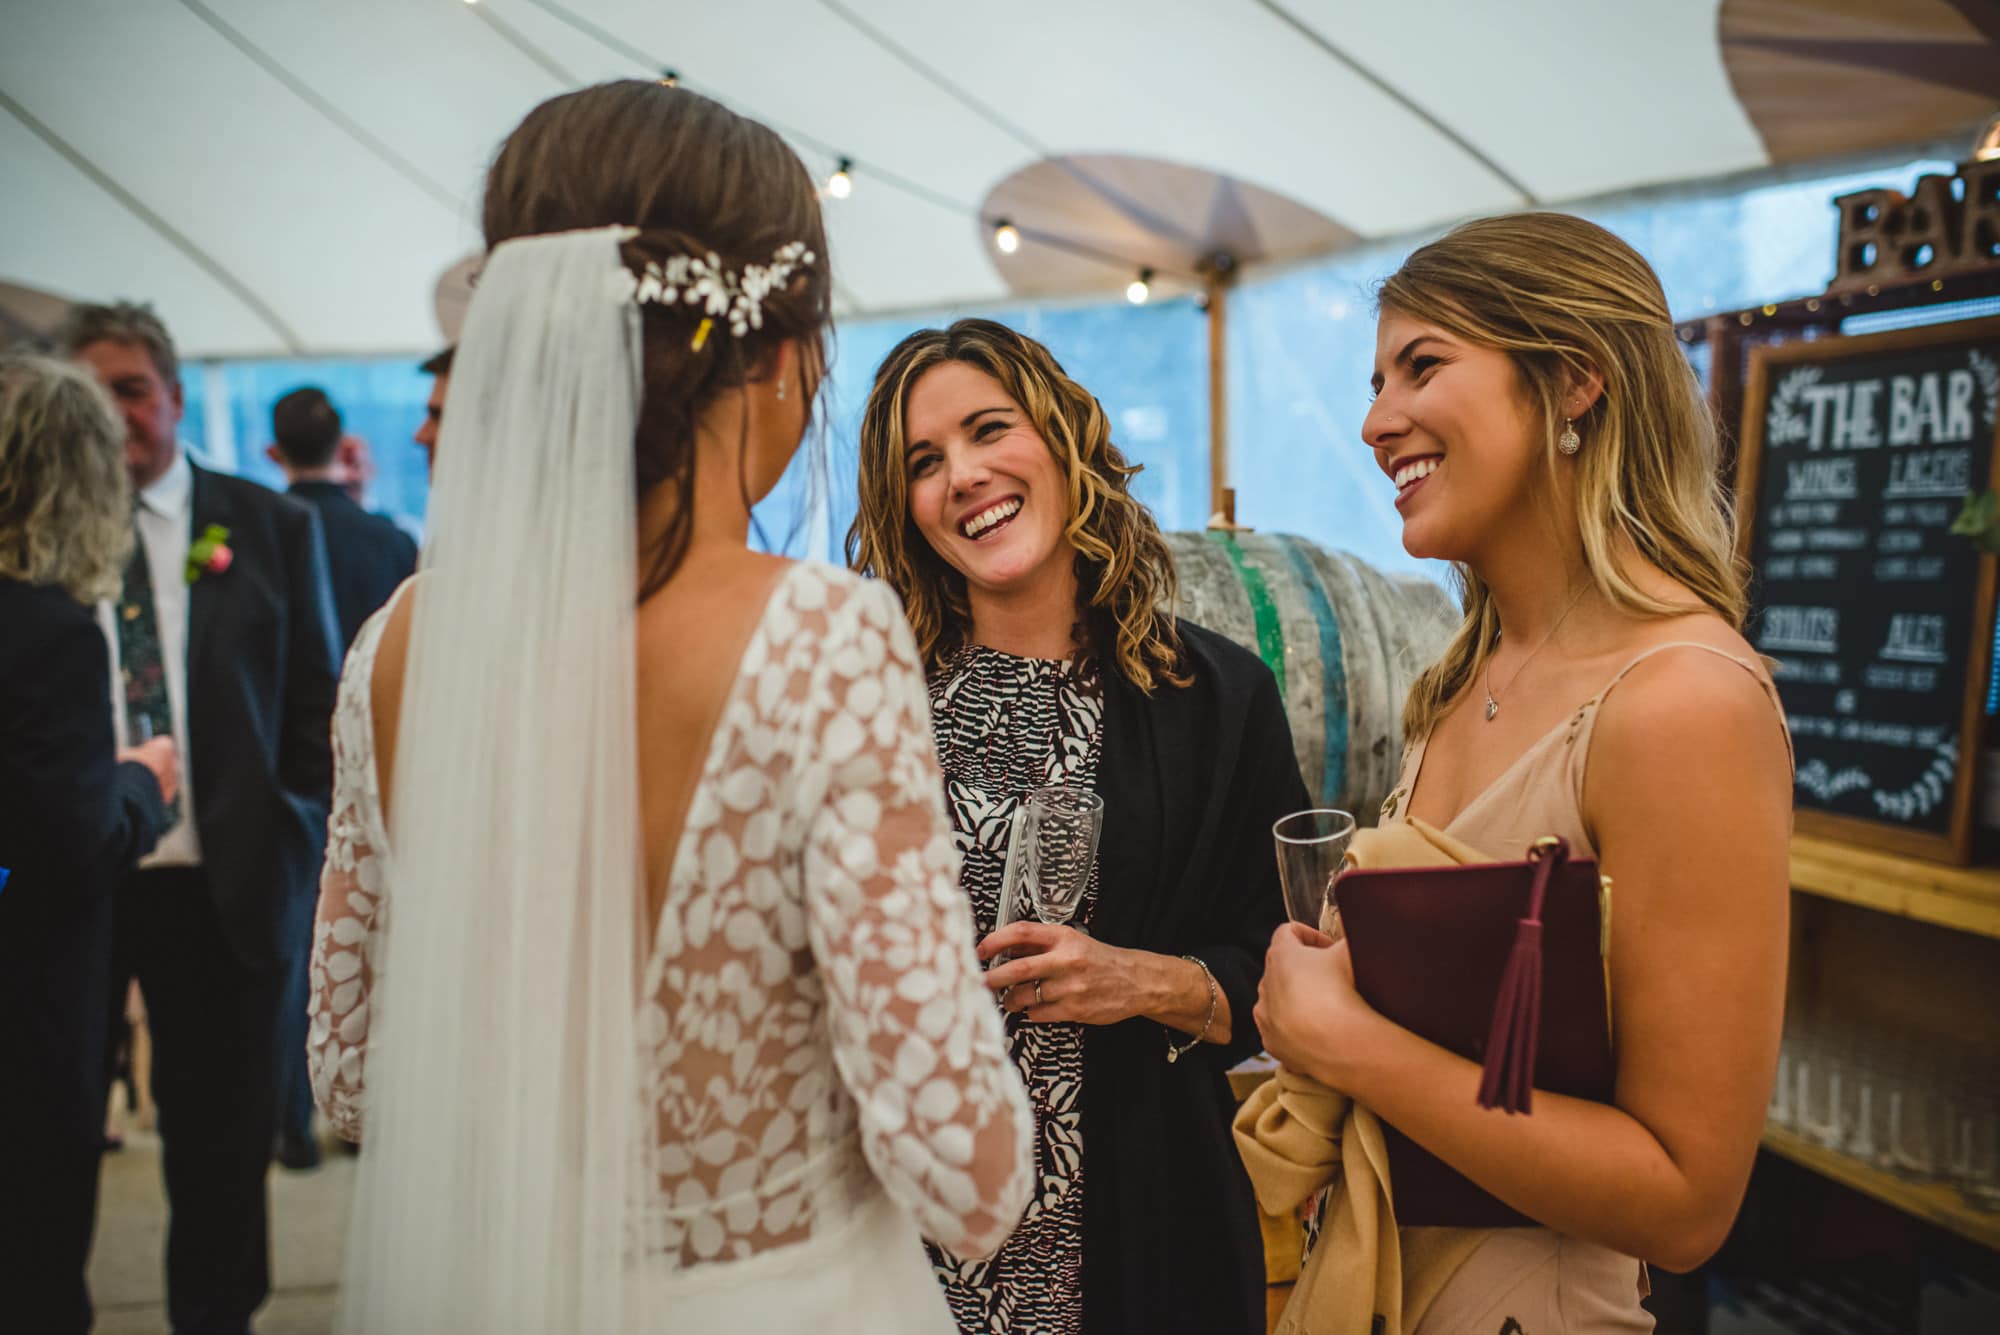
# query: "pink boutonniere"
[[209, 554]]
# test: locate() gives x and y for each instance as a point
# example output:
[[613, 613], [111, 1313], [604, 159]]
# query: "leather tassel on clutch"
[[1507, 1078]]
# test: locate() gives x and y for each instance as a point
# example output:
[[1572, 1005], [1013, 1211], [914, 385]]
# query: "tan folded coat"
[[1297, 1137], [1406, 843]]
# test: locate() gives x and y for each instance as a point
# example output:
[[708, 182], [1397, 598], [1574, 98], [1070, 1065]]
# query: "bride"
[[678, 1026]]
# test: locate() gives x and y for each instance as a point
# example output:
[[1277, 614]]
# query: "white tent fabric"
[[292, 176]]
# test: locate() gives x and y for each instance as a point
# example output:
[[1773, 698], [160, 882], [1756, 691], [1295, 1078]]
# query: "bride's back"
[[690, 640], [691, 637], [812, 1026], [807, 967]]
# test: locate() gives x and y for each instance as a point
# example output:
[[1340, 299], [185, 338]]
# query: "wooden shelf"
[[1965, 899], [1937, 1202]]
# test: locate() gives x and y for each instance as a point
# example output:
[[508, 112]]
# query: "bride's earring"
[[1568, 442], [781, 392]]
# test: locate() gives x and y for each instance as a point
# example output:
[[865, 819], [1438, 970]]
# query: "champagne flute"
[[1050, 853], [1311, 845]]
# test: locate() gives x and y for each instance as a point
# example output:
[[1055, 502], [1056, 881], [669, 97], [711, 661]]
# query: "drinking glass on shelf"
[[1781, 1112], [1311, 845], [1050, 853], [1862, 1125], [1976, 1160], [1916, 1147], [1817, 1108]]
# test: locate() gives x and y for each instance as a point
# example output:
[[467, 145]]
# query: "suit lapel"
[[208, 505]]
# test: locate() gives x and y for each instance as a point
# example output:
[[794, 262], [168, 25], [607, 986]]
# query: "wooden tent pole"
[[1221, 496]]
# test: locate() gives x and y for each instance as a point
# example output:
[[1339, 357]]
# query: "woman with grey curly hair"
[[75, 814], [65, 510]]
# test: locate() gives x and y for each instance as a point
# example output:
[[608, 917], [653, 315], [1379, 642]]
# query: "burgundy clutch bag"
[[1501, 962]]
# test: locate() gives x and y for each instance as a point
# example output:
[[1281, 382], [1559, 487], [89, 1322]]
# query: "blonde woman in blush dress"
[[1544, 432]]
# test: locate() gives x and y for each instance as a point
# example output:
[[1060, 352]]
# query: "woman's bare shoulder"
[[1698, 703]]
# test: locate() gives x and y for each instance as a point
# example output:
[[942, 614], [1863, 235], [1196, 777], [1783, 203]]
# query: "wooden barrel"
[[1343, 639]]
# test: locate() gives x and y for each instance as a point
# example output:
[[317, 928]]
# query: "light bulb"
[[1987, 147], [1006, 238], [840, 185], [1140, 288]]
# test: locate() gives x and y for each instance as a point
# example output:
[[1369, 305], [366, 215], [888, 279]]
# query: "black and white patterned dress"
[[1006, 725]]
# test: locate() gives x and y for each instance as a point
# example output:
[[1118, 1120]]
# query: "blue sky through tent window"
[[228, 420]]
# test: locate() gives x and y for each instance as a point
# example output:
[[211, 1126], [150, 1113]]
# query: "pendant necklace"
[[1493, 701]]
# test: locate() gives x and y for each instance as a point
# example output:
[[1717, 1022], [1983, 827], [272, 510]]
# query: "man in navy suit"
[[368, 556], [223, 637], [438, 368]]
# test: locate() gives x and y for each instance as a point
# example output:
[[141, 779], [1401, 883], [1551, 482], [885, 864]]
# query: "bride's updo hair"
[[695, 179]]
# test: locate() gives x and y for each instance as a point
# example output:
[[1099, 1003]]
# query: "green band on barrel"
[[1332, 669], [1270, 635]]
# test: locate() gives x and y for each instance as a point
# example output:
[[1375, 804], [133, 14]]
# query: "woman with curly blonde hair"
[[74, 815], [994, 502]]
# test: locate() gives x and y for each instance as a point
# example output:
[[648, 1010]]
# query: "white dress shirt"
[[165, 515]]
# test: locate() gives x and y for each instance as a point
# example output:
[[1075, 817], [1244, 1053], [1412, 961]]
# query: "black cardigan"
[[72, 821], [1192, 779]]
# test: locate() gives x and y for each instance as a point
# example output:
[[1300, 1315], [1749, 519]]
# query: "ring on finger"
[[1038, 991]]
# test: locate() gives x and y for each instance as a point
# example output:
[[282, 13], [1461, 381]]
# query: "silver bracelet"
[[1174, 1054]]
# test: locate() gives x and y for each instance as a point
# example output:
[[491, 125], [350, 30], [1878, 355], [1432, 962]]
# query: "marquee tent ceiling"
[[293, 176]]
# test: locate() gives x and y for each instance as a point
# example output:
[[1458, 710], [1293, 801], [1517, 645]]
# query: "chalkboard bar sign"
[[1857, 454]]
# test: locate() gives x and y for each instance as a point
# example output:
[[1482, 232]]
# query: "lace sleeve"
[[917, 1039], [347, 930]]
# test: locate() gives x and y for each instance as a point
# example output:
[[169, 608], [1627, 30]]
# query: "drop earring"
[[781, 389], [1569, 442]]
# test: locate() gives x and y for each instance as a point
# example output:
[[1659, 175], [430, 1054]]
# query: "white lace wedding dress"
[[823, 1062]]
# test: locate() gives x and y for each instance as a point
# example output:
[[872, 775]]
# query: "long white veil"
[[499, 1172]]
